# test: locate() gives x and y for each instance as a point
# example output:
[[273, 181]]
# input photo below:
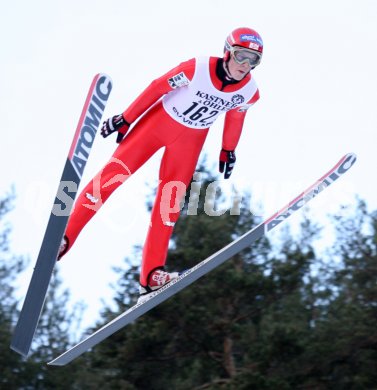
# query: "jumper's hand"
[[226, 162], [116, 123]]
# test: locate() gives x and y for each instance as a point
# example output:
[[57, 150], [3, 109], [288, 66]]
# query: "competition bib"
[[197, 104]]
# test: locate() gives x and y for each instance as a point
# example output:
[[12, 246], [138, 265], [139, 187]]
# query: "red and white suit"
[[175, 112]]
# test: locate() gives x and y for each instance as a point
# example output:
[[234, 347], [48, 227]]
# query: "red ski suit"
[[163, 124]]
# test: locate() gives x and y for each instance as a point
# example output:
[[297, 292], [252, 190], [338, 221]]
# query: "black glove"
[[116, 123], [227, 161]]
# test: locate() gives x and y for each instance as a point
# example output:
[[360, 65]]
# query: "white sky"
[[318, 101]]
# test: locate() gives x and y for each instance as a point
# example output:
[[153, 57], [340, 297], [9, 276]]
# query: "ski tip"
[[105, 75], [350, 158], [351, 154]]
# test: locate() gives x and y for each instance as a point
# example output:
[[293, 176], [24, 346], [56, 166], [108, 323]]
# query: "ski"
[[208, 264], [87, 127]]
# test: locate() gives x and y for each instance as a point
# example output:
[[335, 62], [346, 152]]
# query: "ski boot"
[[63, 248], [157, 279]]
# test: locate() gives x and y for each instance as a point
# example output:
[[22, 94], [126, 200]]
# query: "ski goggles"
[[241, 56]]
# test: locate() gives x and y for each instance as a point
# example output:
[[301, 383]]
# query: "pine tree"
[[52, 333], [345, 347], [273, 317], [11, 367], [206, 335]]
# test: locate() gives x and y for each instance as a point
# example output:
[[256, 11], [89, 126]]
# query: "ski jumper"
[[174, 112]]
